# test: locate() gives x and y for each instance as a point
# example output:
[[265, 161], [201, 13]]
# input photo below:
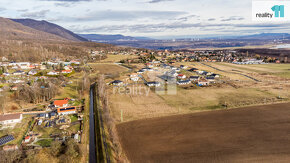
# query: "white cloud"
[[141, 17]]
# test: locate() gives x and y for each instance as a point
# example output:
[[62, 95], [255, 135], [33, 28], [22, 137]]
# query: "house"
[[194, 78], [183, 82], [27, 139], [66, 71], [203, 82], [181, 76], [75, 62], [140, 72], [215, 75], [18, 72], [41, 116], [32, 72], [14, 88], [10, 119], [117, 82], [52, 115], [153, 84], [10, 147], [42, 67], [52, 73], [183, 67], [193, 69], [211, 79], [134, 77], [61, 103], [147, 69], [167, 78], [21, 65], [66, 110]]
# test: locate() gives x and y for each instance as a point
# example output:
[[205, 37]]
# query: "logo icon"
[[279, 11]]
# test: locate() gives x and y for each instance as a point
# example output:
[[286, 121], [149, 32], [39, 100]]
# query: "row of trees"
[[39, 91], [109, 120]]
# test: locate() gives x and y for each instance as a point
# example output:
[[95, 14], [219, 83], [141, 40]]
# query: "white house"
[[66, 111], [153, 84], [52, 73], [203, 82], [21, 65], [181, 76], [183, 82], [134, 77], [10, 119], [32, 72]]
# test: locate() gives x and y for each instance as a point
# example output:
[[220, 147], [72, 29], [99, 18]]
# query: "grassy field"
[[45, 142], [237, 91], [108, 69], [117, 58], [138, 106], [276, 70]]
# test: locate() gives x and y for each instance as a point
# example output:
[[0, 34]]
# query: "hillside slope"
[[50, 28], [10, 30]]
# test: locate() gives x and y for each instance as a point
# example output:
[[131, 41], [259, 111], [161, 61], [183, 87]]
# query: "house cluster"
[[173, 74], [248, 62], [27, 68]]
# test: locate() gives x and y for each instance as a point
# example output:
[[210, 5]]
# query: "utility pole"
[[121, 115]]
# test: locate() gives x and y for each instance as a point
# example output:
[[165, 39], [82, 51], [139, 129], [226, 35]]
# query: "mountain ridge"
[[11, 30], [51, 28]]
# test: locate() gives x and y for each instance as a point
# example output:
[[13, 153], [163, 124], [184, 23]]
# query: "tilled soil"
[[251, 134]]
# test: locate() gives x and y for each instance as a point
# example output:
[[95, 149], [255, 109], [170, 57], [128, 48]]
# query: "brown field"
[[117, 58], [251, 134], [238, 91], [107, 68]]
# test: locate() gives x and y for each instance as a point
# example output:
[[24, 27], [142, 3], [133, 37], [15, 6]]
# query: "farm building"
[[12, 119], [66, 110]]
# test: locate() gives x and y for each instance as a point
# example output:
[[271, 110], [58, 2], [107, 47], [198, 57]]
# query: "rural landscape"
[[69, 93]]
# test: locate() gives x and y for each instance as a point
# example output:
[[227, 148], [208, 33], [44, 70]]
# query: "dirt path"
[[252, 134]]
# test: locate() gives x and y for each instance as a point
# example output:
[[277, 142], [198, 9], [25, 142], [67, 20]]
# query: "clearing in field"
[[117, 58], [252, 134], [108, 69]]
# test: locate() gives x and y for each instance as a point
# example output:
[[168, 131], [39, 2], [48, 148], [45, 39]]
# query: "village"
[[43, 103], [38, 119]]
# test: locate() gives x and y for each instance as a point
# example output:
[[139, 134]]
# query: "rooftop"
[[6, 117]]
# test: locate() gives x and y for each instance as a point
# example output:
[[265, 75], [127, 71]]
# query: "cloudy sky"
[[152, 18]]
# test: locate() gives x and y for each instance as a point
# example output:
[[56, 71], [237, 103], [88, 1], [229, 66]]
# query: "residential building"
[[66, 110], [61, 103], [153, 84], [10, 119], [183, 82]]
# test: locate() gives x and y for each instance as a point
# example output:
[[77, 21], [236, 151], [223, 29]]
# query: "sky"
[[149, 18]]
